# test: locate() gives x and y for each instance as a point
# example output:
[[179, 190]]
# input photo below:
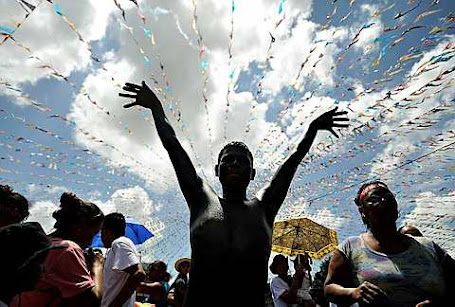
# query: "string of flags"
[[392, 88]]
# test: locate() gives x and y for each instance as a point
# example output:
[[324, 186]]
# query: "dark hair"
[[158, 264], [358, 200], [74, 210], [115, 222], [27, 246], [16, 204], [238, 145], [277, 260], [305, 260]]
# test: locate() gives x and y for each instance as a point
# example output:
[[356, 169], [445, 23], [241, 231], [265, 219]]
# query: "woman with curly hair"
[[67, 279], [13, 206]]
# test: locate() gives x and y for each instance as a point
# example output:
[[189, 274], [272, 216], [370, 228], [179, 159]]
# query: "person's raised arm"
[[274, 194], [190, 183], [290, 296]]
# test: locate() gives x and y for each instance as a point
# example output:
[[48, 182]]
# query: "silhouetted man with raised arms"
[[230, 235]]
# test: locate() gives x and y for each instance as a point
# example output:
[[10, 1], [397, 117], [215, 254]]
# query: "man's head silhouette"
[[235, 165]]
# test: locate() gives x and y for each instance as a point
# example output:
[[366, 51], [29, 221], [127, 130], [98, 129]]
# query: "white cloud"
[[133, 202], [181, 63], [62, 50], [129, 136], [41, 212], [434, 215]]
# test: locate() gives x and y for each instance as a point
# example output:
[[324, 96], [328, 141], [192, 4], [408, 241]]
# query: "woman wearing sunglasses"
[[383, 267]]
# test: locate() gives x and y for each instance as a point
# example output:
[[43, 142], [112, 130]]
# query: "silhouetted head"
[[304, 260], [113, 227], [279, 265], [77, 220], [377, 206], [13, 206], [410, 230], [183, 265], [25, 247], [157, 271], [235, 165]]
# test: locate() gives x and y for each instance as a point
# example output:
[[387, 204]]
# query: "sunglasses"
[[379, 201]]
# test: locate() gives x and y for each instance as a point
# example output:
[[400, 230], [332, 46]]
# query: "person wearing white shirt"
[[303, 293], [122, 269], [283, 288]]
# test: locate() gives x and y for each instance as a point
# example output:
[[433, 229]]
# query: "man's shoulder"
[[70, 245], [71, 249], [123, 242], [278, 282]]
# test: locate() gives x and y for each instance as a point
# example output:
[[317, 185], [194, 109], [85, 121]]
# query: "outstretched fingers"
[[333, 132], [134, 93], [340, 125], [343, 119], [129, 105], [131, 89], [127, 95], [339, 113], [133, 85]]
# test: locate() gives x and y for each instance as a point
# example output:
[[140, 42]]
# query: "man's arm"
[[190, 183], [136, 276], [290, 296], [273, 195], [154, 289]]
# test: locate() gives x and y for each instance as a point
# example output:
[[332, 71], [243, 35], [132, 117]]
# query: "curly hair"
[[238, 145], [74, 210], [14, 203]]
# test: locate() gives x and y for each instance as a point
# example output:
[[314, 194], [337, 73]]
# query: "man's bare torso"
[[230, 244]]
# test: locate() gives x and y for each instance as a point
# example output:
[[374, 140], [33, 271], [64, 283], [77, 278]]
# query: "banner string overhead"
[[255, 71]]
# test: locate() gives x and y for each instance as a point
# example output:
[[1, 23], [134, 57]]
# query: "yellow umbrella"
[[297, 236]]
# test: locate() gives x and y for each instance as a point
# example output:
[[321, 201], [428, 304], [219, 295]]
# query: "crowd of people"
[[384, 266], [230, 238], [61, 269]]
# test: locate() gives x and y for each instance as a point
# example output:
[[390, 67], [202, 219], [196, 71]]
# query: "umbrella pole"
[[293, 241]]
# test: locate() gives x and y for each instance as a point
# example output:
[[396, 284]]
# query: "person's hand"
[[424, 303], [98, 259], [142, 95], [98, 256], [330, 120], [368, 293]]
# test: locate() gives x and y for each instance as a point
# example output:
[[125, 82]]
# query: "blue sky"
[[113, 157]]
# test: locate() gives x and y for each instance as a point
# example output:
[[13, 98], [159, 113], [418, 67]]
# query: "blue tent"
[[134, 230]]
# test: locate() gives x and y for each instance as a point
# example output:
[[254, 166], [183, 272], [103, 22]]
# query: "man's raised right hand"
[[142, 95]]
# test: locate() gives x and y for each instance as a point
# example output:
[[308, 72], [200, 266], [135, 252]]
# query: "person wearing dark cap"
[[384, 267], [26, 247], [283, 287], [13, 206], [67, 279]]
